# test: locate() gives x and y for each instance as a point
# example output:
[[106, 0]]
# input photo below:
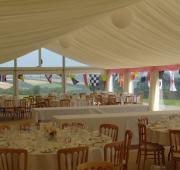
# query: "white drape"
[[101, 33], [30, 24]]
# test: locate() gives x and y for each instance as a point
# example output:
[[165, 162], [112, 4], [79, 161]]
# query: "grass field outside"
[[168, 102]]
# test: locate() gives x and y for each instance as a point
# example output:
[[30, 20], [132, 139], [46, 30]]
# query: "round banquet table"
[[42, 149], [158, 132]]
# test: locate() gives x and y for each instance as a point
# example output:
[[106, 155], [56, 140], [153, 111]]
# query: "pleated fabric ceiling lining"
[[103, 33]]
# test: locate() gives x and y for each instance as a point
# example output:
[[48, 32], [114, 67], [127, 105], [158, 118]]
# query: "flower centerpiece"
[[51, 132]]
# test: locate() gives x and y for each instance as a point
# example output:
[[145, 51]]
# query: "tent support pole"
[[154, 91], [39, 58], [64, 75], [15, 80]]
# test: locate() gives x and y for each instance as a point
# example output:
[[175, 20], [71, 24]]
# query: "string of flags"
[[96, 79]]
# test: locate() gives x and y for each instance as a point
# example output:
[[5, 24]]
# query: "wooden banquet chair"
[[73, 124], [127, 145], [25, 126], [143, 120], [96, 166], [174, 136], [110, 130], [70, 158], [4, 127], [65, 103], [147, 149], [111, 99], [8, 109], [23, 111], [114, 153], [13, 159]]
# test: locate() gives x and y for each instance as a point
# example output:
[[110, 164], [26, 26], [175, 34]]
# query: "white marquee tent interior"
[[104, 34]]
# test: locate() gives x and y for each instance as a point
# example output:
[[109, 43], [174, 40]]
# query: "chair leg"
[[139, 159], [173, 165], [155, 158], [163, 157], [158, 157], [144, 162], [169, 154]]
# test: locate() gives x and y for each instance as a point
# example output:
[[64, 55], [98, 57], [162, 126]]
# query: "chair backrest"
[[9, 103], [99, 99], [114, 153], [70, 158], [4, 127], [24, 102], [65, 103], [96, 166], [174, 136], [111, 99], [143, 120], [127, 145], [142, 133], [73, 124], [25, 126], [109, 130], [13, 159]]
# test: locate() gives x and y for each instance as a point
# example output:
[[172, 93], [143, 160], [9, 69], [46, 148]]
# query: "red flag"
[[121, 81], [85, 79]]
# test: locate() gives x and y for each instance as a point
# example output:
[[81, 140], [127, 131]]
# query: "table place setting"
[[49, 139], [158, 132]]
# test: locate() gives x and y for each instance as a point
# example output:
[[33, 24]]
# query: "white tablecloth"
[[37, 144], [123, 120], [78, 102], [48, 113], [158, 132], [48, 161]]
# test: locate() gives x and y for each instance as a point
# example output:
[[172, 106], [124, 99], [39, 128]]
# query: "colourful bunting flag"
[[104, 77], [2, 78], [132, 76], [172, 82], [121, 80], [136, 74], [21, 77], [161, 74], [143, 79], [74, 81], [94, 80], [49, 78], [85, 79]]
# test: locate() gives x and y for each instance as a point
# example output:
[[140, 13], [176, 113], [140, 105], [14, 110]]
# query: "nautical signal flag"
[[49, 78], [74, 81], [172, 82], [2, 78], [85, 79], [21, 77], [121, 79], [94, 80]]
